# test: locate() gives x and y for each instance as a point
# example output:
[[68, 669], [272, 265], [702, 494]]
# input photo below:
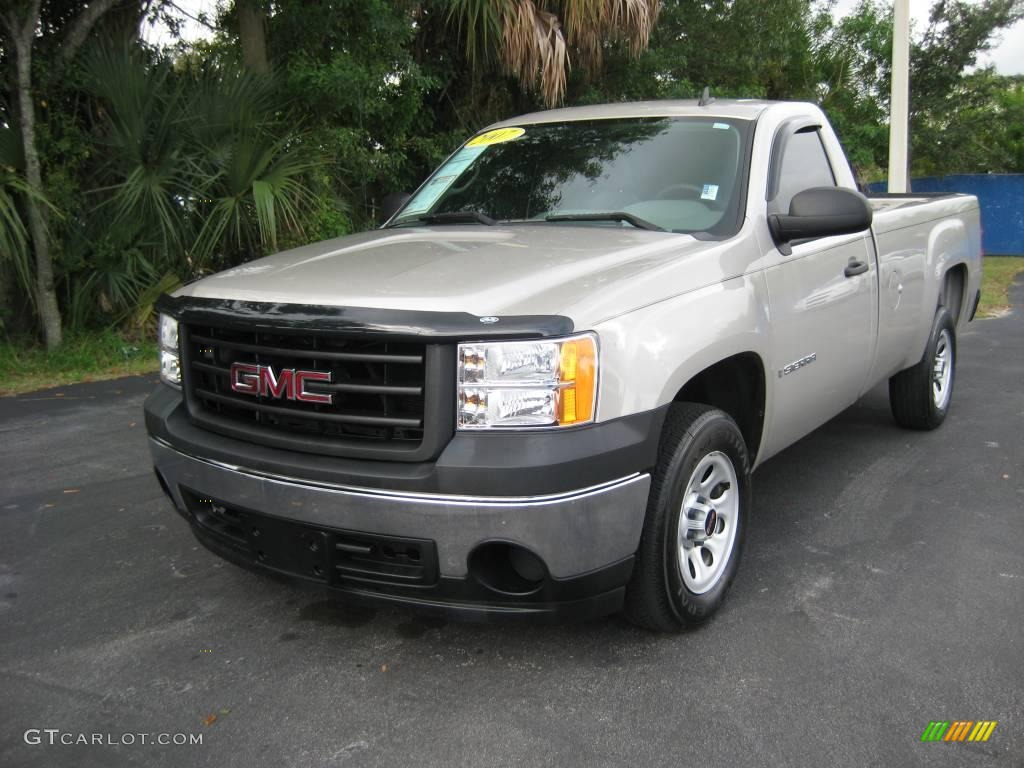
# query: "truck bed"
[[890, 201], [898, 211]]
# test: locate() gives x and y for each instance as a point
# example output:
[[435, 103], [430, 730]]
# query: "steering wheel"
[[474, 174], [694, 192]]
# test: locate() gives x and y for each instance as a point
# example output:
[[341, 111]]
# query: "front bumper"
[[311, 529]]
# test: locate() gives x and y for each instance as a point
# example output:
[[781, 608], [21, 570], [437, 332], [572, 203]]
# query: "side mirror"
[[391, 203], [821, 212]]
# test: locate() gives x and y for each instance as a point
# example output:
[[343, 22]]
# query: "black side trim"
[[394, 323], [974, 307]]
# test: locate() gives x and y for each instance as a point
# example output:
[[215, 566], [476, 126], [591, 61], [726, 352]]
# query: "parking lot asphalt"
[[882, 588]]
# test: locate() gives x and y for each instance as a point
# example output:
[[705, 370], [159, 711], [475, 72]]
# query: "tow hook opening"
[[507, 568]]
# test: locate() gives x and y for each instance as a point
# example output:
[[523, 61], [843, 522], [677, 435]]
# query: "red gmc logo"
[[261, 381]]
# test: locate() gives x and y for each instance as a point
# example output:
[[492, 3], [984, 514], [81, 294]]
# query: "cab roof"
[[736, 109]]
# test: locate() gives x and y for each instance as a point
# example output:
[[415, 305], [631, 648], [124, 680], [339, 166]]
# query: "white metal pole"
[[899, 104]]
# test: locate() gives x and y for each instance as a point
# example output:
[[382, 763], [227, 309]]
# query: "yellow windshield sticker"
[[496, 136]]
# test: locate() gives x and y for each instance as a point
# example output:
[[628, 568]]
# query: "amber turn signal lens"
[[578, 381]]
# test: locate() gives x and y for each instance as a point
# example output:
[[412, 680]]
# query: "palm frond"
[[534, 49], [258, 191], [15, 241], [480, 23], [211, 235], [14, 237], [146, 171], [533, 42], [142, 314]]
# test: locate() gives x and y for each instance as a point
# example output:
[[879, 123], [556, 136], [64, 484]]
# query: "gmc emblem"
[[260, 381]]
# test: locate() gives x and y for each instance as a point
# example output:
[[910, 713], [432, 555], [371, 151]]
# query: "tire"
[[661, 595], [920, 396]]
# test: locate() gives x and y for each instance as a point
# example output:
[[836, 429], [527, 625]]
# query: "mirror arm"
[[775, 228], [391, 204]]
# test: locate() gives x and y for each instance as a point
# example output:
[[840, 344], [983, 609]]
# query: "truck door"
[[822, 296]]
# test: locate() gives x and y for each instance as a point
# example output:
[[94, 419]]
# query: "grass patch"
[[90, 356], [999, 272]]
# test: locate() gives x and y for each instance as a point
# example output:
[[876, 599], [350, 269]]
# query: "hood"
[[525, 269]]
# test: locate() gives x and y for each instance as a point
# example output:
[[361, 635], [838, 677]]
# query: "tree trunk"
[[252, 34], [46, 295]]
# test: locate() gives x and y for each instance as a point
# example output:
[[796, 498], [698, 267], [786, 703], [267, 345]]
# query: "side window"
[[804, 165]]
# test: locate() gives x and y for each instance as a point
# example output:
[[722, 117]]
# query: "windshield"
[[678, 174]]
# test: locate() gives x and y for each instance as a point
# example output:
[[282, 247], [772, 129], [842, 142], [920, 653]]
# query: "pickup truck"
[[540, 389]]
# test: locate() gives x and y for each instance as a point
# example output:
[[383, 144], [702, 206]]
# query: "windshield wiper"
[[457, 217], [629, 218]]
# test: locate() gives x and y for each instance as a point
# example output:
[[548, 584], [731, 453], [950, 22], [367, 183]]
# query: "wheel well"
[[736, 386], [952, 295]]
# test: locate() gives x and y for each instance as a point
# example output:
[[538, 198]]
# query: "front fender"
[[649, 354]]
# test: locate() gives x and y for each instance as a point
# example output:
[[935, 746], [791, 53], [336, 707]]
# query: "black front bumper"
[[576, 501], [321, 558]]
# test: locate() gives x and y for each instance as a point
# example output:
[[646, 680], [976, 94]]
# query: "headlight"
[[167, 338], [527, 383]]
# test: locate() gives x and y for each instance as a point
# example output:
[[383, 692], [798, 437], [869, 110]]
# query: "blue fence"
[[1002, 205]]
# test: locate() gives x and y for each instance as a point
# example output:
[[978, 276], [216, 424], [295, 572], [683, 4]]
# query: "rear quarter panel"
[[917, 245]]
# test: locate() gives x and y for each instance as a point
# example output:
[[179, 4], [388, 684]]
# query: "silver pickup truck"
[[542, 386]]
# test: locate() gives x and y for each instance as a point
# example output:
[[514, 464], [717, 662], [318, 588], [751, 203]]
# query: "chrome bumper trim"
[[438, 498], [575, 533]]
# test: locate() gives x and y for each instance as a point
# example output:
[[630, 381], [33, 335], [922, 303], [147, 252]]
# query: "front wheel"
[[920, 396], [696, 521]]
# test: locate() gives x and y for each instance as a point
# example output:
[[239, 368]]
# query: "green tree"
[[15, 239], [351, 67], [951, 102], [740, 48], [26, 34], [1009, 125], [947, 98], [854, 58], [252, 20], [207, 159]]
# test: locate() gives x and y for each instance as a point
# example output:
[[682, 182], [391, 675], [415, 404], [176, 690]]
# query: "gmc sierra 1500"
[[541, 388]]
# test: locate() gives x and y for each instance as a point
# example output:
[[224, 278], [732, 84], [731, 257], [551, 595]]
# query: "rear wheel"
[[920, 396], [696, 521]]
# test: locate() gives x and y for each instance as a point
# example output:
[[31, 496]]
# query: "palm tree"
[[537, 40], [15, 238], [21, 23], [202, 169]]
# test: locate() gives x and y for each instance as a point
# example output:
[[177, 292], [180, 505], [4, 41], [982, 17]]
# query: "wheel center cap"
[[710, 523]]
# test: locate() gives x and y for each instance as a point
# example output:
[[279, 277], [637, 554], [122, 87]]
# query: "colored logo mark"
[[958, 730]]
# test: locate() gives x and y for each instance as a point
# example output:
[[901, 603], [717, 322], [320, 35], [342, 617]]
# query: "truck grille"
[[378, 388]]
